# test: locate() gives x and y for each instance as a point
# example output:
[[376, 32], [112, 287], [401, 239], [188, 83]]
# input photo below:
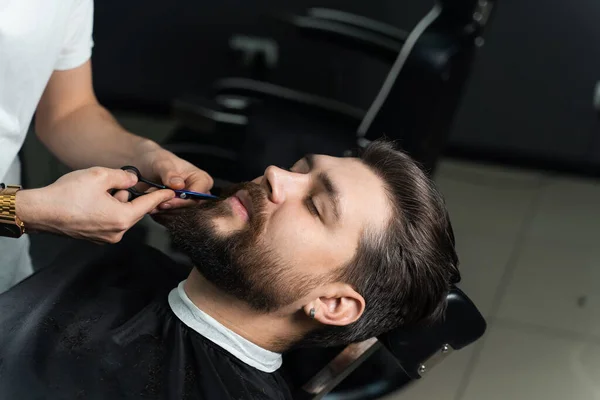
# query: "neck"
[[264, 330]]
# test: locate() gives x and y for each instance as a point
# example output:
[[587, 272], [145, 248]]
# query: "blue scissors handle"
[[182, 194]]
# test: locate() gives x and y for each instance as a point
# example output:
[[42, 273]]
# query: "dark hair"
[[405, 272]]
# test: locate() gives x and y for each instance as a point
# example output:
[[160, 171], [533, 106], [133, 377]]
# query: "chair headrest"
[[462, 325]]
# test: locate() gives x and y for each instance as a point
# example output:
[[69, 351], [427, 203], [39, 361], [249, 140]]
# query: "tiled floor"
[[530, 260], [531, 263]]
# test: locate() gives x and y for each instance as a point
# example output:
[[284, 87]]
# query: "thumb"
[[170, 176], [148, 202]]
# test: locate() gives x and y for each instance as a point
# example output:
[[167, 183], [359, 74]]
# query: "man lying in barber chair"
[[318, 255]]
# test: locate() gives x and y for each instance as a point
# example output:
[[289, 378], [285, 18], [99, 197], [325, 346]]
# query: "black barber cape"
[[98, 325]]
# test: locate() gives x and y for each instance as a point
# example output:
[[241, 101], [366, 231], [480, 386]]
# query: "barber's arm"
[[79, 205], [82, 134]]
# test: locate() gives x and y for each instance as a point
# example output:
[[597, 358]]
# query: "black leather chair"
[[415, 351], [415, 105]]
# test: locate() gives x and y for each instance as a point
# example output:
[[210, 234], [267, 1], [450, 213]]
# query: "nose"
[[282, 185]]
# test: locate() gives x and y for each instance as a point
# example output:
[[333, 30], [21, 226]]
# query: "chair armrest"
[[418, 350], [206, 115], [265, 91]]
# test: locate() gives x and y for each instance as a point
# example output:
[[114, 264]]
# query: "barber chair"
[[414, 351], [264, 123]]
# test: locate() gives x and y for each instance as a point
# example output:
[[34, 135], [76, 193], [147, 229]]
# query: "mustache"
[[256, 194], [255, 191]]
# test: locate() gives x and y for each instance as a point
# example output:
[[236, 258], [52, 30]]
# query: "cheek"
[[301, 242], [290, 237]]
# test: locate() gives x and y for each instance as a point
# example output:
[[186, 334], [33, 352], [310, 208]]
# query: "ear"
[[339, 305]]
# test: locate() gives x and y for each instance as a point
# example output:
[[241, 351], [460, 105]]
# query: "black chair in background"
[[263, 123]]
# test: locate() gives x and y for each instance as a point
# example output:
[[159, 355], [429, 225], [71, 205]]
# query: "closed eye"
[[299, 168], [310, 204]]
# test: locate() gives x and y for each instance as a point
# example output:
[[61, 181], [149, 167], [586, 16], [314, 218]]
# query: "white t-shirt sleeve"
[[78, 41]]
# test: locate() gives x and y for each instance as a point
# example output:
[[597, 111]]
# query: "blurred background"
[[517, 154]]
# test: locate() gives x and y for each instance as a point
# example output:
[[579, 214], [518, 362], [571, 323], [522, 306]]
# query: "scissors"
[[182, 194]]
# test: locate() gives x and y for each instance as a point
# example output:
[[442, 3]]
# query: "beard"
[[238, 263]]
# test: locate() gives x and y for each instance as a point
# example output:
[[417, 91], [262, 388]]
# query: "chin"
[[227, 226]]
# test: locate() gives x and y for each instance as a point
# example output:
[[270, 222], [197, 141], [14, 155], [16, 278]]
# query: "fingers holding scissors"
[[135, 191], [123, 192], [179, 193]]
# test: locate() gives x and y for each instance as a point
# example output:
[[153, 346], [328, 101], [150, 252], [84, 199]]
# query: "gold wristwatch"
[[10, 224]]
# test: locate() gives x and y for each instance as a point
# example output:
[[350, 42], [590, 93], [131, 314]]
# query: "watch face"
[[9, 230]]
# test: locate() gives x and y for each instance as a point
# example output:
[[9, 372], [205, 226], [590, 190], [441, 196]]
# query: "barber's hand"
[[160, 165], [80, 205]]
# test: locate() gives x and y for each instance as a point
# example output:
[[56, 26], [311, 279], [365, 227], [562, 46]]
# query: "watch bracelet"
[[7, 208], [8, 212]]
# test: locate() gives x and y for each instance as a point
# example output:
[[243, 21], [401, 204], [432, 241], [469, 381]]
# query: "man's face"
[[277, 238]]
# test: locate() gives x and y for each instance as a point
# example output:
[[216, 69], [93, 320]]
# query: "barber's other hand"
[[163, 166], [80, 205]]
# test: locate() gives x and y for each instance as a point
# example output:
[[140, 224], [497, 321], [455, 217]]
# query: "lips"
[[241, 205], [244, 198]]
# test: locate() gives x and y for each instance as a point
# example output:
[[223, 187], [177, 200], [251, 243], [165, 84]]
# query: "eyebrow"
[[333, 193]]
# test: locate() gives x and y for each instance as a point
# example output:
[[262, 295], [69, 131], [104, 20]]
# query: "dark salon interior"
[[497, 100]]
